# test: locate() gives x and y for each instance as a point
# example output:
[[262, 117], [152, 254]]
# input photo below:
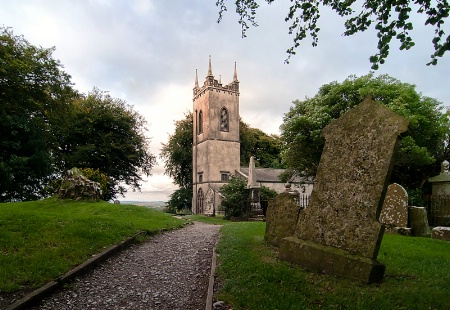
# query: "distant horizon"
[[147, 196]]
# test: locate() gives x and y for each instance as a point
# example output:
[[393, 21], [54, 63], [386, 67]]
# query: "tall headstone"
[[418, 221], [251, 182], [281, 218], [339, 233], [395, 207], [253, 187]]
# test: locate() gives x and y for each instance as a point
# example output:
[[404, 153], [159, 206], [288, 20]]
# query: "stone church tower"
[[216, 147]]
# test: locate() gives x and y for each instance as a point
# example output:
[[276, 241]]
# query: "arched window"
[[200, 199], [200, 122], [224, 119]]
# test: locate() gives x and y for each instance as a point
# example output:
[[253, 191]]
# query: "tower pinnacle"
[[235, 79], [196, 78], [209, 67]]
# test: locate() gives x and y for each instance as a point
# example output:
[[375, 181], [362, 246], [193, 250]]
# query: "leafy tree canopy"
[[33, 90], [105, 133], [390, 19], [46, 127], [177, 152], [180, 199], [302, 125], [265, 148], [177, 157]]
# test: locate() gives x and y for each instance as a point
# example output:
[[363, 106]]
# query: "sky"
[[146, 52]]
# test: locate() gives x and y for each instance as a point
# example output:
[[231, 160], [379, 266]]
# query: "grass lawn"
[[417, 276], [41, 240]]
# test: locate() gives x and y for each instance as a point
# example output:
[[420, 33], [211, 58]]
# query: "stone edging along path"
[[172, 270]]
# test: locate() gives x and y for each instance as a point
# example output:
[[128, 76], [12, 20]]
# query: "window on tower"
[[200, 122], [224, 122], [224, 176]]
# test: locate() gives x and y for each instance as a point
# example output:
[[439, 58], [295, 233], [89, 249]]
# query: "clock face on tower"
[[223, 119]]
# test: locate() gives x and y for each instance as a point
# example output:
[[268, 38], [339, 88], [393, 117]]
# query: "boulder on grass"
[[77, 187]]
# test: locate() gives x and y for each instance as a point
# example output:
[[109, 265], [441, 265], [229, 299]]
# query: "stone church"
[[216, 146]]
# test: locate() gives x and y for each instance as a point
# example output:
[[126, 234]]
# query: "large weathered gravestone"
[[339, 233], [395, 207]]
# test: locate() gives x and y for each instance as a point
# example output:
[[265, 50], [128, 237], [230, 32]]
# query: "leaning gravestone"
[[339, 233], [395, 207]]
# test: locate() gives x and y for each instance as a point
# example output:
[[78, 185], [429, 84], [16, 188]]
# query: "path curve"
[[168, 271]]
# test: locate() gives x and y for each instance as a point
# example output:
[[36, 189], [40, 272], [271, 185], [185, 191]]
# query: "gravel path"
[[168, 271]]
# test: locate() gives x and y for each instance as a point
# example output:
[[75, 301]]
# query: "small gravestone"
[[339, 233], [418, 221], [441, 233], [281, 218], [395, 207]]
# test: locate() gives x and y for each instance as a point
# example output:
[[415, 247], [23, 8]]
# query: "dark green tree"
[[33, 91], [236, 199], [265, 148], [417, 153], [180, 199], [177, 152], [177, 157], [390, 19], [105, 133]]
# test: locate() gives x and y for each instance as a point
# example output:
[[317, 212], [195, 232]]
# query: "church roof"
[[270, 175], [264, 174]]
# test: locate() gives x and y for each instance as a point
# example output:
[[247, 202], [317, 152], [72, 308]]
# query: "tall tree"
[[265, 148], [33, 90], [177, 153], [390, 19], [177, 157], [105, 133], [302, 125]]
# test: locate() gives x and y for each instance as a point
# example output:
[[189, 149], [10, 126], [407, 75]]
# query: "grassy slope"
[[41, 240], [417, 276]]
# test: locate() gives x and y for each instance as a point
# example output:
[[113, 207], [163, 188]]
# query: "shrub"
[[236, 202], [266, 193]]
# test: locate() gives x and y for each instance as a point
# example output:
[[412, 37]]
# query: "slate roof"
[[265, 174], [271, 175]]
